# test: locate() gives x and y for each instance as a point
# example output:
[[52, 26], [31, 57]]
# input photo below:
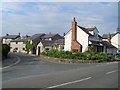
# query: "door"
[[38, 51]]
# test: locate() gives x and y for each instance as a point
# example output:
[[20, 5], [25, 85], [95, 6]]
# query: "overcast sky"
[[44, 17]]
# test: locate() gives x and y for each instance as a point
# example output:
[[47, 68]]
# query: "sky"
[[30, 18]]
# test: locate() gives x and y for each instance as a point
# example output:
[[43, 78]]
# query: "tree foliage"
[[4, 50], [29, 46]]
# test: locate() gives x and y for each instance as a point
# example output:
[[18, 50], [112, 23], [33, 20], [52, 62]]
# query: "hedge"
[[4, 49], [88, 55]]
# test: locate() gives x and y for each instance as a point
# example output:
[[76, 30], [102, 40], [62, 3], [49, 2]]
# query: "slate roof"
[[47, 43], [36, 38], [20, 40], [85, 30], [60, 41], [11, 36], [91, 29], [49, 35]]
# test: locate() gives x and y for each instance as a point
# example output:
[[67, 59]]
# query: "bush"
[[4, 49], [88, 55]]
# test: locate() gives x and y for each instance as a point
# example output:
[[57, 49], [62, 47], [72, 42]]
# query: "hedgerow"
[[88, 55]]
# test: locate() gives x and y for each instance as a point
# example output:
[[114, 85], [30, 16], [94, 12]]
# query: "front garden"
[[88, 55]]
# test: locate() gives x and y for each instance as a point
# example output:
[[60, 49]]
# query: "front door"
[[38, 51]]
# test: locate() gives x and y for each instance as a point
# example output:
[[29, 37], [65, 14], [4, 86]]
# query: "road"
[[32, 72]]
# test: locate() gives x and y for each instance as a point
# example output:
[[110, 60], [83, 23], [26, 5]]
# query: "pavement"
[[33, 72]]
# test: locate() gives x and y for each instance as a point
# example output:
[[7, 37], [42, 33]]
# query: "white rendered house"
[[79, 38], [18, 45]]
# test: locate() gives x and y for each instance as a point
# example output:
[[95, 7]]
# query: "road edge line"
[[18, 60]]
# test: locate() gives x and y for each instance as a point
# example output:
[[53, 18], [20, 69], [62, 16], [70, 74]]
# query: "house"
[[51, 37], [18, 45], [6, 39], [113, 41], [59, 44], [47, 42], [79, 38], [35, 39], [44, 46]]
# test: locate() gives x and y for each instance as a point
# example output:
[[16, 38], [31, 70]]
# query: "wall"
[[115, 41], [19, 45], [68, 37], [41, 48], [82, 38], [6, 41]]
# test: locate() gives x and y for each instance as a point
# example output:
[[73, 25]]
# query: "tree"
[[92, 48], [28, 46], [4, 49]]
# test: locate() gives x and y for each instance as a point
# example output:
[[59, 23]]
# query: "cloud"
[[39, 17]]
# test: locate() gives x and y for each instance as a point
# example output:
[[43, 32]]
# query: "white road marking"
[[69, 82], [111, 72], [12, 64]]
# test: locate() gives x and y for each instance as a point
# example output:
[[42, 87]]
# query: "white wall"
[[19, 45], [115, 41], [41, 48], [67, 46], [6, 41], [82, 38]]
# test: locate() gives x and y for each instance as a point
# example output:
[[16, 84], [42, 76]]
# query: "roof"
[[20, 40], [49, 35], [36, 38], [91, 29], [60, 41], [11, 36], [85, 30], [105, 43], [105, 36], [47, 43]]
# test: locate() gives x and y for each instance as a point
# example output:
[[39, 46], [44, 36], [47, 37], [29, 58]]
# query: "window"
[[47, 49], [23, 48]]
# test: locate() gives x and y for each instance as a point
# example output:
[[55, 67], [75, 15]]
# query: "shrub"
[[5, 49], [88, 55]]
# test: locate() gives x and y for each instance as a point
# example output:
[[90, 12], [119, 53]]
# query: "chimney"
[[74, 27], [75, 45], [63, 34], [19, 34], [7, 34], [109, 38]]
